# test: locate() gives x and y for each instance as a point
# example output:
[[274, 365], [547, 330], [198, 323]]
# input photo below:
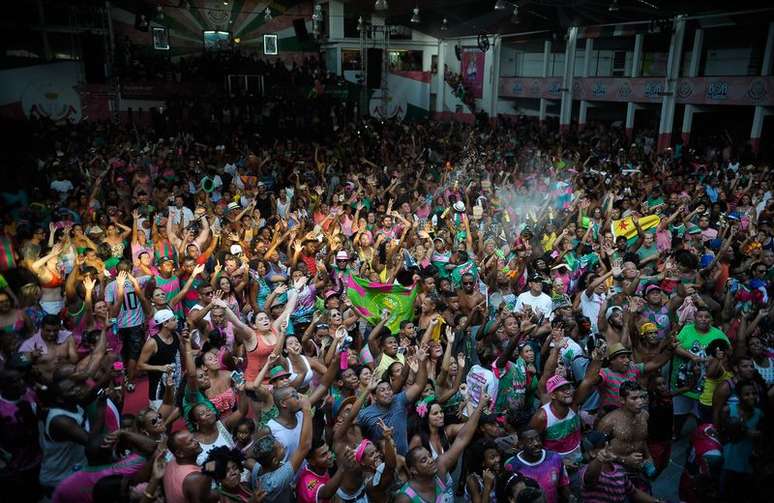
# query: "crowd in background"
[[381, 311]]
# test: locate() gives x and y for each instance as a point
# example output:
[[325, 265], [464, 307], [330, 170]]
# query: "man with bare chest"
[[627, 429], [49, 346], [468, 297]]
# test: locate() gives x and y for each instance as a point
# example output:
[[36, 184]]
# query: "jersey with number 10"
[[131, 314]]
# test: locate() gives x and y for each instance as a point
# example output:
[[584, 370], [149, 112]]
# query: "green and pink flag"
[[370, 299]]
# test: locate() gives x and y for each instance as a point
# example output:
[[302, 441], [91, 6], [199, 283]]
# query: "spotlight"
[[160, 13], [613, 6], [444, 25], [360, 24], [381, 5], [415, 18], [501, 5], [267, 14], [515, 11]]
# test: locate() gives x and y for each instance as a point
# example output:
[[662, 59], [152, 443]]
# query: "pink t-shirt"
[[77, 487], [308, 485]]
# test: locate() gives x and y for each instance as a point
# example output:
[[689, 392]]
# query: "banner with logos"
[[750, 91]]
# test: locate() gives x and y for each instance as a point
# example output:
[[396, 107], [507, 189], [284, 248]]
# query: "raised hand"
[[449, 335], [198, 270], [460, 362], [89, 283], [422, 353], [386, 430], [299, 283], [616, 268]]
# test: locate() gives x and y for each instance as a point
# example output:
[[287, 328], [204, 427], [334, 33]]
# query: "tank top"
[[256, 358], [562, 436], [444, 491], [308, 373], [165, 354], [61, 459], [710, 385], [174, 475], [224, 438]]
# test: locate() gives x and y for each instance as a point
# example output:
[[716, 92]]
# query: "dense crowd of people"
[[409, 312]]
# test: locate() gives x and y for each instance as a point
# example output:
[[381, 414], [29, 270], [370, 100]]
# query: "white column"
[[670, 88], [546, 56], [760, 112], [693, 71], [631, 108], [440, 90], [335, 20], [494, 76], [584, 105], [565, 115]]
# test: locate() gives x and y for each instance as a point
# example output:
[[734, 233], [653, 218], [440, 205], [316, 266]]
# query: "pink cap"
[[556, 382]]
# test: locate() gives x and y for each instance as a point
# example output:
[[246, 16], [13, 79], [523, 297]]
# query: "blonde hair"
[[29, 294]]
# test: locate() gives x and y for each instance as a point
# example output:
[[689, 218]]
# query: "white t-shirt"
[[590, 308], [290, 438], [481, 380], [542, 303], [177, 213]]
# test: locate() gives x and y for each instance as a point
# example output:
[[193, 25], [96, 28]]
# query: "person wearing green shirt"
[[688, 364]]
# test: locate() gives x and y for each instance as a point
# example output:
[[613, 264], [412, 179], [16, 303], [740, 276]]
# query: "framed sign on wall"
[[270, 45]]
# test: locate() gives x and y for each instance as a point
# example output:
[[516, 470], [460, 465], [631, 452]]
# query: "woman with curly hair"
[[225, 466]]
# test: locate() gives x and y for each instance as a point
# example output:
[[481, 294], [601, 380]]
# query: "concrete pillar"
[[47, 54], [584, 105], [670, 88], [760, 112], [494, 75], [546, 56], [631, 107], [565, 115], [440, 90], [335, 20], [693, 71]]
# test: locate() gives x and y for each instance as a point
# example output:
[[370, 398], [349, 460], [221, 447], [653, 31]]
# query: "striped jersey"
[[562, 435], [610, 487], [611, 383]]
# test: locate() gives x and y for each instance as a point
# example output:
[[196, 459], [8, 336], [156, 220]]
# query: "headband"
[[360, 451]]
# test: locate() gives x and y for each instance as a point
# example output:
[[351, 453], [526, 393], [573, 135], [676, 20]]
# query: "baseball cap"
[[459, 206], [163, 316], [235, 250], [232, 206], [556, 382], [650, 288], [536, 278], [342, 255]]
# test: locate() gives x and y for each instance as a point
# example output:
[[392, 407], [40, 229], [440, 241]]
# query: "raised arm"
[[305, 442], [450, 457], [413, 391]]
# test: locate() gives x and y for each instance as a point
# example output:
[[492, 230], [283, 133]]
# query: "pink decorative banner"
[[749, 91], [472, 71]]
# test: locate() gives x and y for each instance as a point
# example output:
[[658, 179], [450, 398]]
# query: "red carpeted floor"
[[138, 400]]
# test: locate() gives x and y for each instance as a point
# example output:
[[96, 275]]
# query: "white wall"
[[727, 61]]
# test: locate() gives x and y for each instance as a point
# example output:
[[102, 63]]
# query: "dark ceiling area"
[[470, 17]]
